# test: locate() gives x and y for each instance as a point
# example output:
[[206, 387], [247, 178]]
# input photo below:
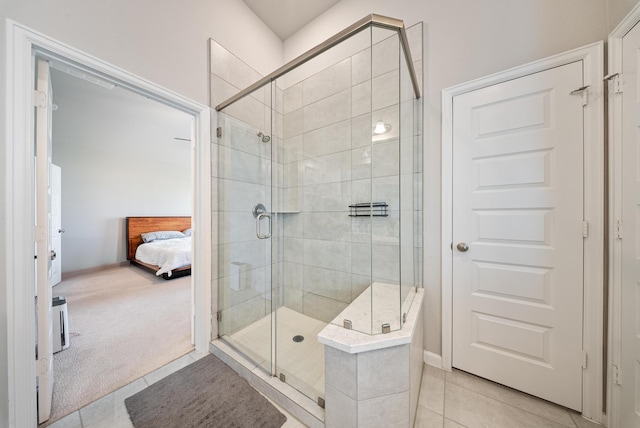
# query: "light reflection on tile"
[[448, 423], [432, 394], [69, 421], [582, 422], [475, 410], [425, 418], [510, 396]]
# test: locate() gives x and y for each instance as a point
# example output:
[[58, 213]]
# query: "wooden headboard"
[[136, 226]]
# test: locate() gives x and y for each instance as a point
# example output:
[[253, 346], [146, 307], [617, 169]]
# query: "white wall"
[[119, 158], [465, 40], [617, 10], [166, 43]]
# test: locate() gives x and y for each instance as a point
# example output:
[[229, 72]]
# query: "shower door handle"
[[259, 228]]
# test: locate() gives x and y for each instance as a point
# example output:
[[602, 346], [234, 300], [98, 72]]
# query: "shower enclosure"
[[318, 198]]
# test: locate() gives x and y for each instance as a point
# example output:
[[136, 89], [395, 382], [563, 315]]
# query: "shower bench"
[[374, 380]]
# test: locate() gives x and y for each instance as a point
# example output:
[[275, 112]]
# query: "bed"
[[168, 252]]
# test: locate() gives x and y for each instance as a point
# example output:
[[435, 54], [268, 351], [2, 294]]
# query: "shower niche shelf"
[[369, 209]]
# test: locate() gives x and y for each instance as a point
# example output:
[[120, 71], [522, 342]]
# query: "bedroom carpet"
[[124, 323], [207, 393]]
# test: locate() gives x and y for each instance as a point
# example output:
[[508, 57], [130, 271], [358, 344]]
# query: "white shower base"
[[302, 363]]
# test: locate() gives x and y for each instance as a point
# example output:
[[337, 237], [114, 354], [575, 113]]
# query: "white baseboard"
[[432, 359]]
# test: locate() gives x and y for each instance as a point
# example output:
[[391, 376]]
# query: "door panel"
[[43, 241], [56, 224], [244, 251], [518, 206], [630, 298]]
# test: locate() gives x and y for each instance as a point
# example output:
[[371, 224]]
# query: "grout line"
[[511, 405]]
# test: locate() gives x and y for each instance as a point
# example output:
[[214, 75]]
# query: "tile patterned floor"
[[110, 411], [447, 400], [457, 399]]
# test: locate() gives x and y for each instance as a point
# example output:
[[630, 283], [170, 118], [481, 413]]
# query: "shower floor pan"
[[301, 362]]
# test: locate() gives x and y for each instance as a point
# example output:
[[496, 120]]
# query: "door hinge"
[[39, 99], [584, 90], [615, 373], [584, 359], [219, 316], [615, 78], [219, 132], [618, 229], [585, 229]]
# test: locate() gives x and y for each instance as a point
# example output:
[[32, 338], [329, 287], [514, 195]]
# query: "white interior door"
[[518, 233], [629, 377], [43, 121], [56, 230]]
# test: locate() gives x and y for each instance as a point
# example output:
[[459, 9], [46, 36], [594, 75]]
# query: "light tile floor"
[[110, 411], [447, 400], [457, 399]]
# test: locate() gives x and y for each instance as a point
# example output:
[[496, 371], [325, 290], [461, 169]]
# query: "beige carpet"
[[123, 324]]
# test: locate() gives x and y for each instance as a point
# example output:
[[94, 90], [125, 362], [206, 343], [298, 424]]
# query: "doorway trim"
[[614, 350], [22, 44], [593, 315]]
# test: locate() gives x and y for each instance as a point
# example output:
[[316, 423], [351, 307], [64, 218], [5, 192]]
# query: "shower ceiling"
[[285, 17]]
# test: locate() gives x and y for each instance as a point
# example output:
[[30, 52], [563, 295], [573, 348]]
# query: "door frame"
[[22, 44], [614, 50], [593, 313]]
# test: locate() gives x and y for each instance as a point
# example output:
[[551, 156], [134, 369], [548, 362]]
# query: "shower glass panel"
[[325, 262], [331, 148], [386, 124], [244, 225], [410, 168]]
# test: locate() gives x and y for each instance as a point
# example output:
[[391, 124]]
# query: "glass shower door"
[[242, 228]]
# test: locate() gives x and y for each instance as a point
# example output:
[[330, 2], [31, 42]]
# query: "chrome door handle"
[[258, 226], [259, 212], [61, 230], [462, 247]]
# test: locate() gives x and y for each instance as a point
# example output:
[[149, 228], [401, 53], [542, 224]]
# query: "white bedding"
[[168, 254]]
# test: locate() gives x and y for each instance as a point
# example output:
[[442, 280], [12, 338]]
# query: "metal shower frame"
[[372, 20]]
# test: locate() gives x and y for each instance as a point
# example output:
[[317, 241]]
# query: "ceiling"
[[153, 123], [285, 17]]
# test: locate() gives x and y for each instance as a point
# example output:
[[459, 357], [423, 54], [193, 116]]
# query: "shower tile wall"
[[329, 162]]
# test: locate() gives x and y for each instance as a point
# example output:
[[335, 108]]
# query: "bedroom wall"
[[119, 158], [464, 40]]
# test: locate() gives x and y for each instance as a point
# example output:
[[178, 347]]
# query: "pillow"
[[187, 232], [161, 234]]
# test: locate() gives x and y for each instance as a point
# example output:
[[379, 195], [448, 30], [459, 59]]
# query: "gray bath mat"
[[207, 393]]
